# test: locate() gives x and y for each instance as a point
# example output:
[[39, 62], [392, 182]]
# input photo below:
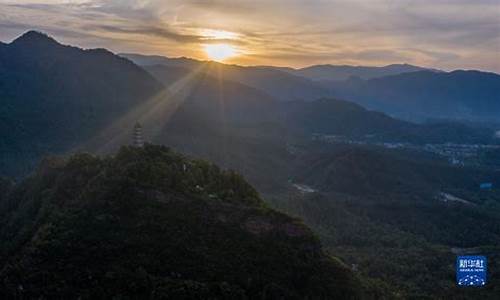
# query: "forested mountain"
[[275, 82], [220, 100], [356, 194], [377, 171], [150, 223], [53, 96], [240, 127], [461, 95], [219, 119], [399, 216], [226, 122], [69, 95], [404, 91], [338, 73], [343, 118]]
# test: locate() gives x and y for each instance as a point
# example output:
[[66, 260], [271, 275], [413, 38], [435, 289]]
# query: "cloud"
[[147, 30], [436, 33]]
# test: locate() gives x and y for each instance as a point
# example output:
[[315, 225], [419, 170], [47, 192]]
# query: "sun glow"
[[220, 52], [211, 34]]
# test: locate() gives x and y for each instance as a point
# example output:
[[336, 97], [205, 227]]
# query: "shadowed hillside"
[[347, 119], [54, 97], [400, 217], [462, 95], [149, 223]]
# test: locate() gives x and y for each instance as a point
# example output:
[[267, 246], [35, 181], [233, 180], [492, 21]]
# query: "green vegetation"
[[150, 223], [407, 248], [380, 210]]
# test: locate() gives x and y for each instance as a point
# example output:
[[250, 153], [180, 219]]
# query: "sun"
[[220, 52]]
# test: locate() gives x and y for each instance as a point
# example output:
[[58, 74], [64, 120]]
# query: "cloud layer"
[[446, 34]]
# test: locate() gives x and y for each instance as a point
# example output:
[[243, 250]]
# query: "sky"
[[444, 34]]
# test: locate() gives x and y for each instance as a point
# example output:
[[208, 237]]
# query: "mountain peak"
[[183, 205], [34, 37]]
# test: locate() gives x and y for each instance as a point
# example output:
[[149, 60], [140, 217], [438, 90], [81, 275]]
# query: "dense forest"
[[150, 223], [382, 212]]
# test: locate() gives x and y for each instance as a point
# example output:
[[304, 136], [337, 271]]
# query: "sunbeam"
[[153, 113]]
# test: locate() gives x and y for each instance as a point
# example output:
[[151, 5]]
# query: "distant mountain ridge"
[[350, 120], [326, 72], [458, 95], [343, 72], [404, 91], [273, 81]]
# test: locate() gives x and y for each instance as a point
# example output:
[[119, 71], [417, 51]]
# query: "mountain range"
[[84, 92], [457, 95], [273, 81], [385, 213], [403, 91], [332, 117], [340, 73]]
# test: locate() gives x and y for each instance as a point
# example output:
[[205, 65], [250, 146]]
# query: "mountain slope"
[[399, 216], [372, 171], [352, 121], [149, 223], [54, 96], [277, 83], [219, 99], [468, 95], [231, 124], [338, 73]]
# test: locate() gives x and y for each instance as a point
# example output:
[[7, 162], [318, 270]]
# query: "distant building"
[[138, 140], [486, 186]]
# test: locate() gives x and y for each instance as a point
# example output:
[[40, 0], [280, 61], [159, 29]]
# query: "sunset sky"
[[446, 34]]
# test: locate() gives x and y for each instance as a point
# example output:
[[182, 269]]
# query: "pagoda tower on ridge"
[[138, 140]]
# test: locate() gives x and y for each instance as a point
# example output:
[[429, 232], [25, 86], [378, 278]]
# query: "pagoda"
[[138, 140]]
